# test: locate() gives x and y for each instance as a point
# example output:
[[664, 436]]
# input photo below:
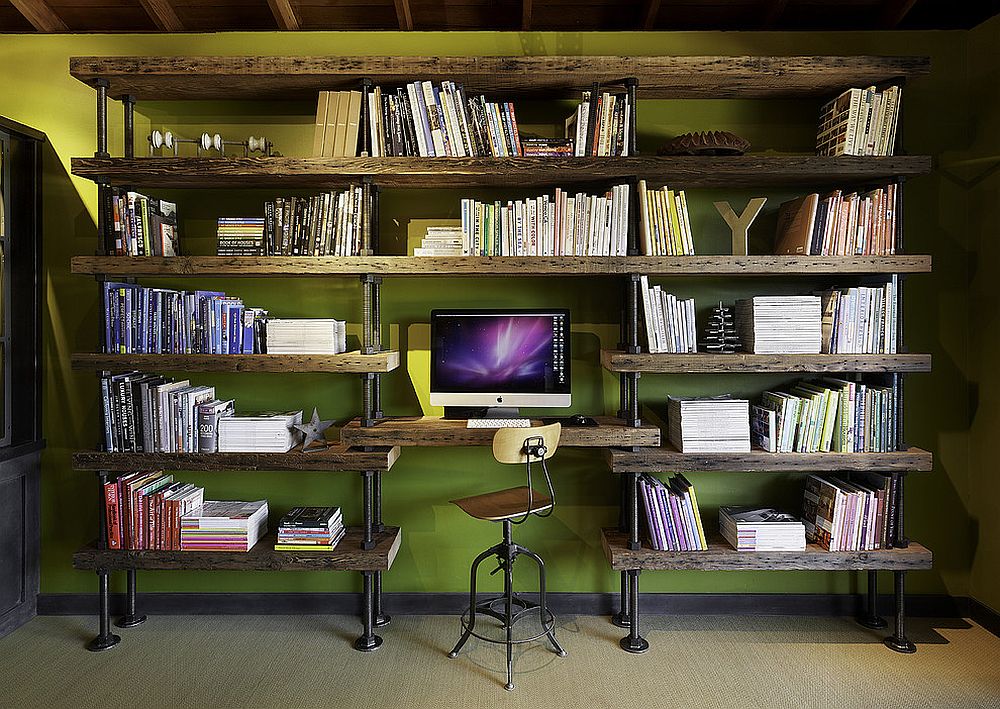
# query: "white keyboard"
[[498, 423]]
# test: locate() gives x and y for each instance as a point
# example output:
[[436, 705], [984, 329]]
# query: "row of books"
[[437, 121], [144, 510], [826, 415], [141, 226], [672, 515], [224, 526], [860, 320], [329, 224], [562, 225], [240, 236], [850, 513], [601, 124], [859, 122], [780, 324], [670, 322], [338, 118], [761, 529], [839, 224], [310, 529], [665, 225]]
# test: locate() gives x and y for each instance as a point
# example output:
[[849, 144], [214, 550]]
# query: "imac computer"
[[486, 363]]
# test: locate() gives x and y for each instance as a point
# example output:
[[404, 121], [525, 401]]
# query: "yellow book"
[[340, 132], [353, 123], [330, 128], [305, 547], [666, 240], [697, 512], [675, 223], [321, 106]]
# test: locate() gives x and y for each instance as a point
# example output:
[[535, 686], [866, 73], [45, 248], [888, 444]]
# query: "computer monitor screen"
[[500, 358]]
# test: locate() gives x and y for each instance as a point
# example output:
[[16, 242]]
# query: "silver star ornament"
[[314, 433]]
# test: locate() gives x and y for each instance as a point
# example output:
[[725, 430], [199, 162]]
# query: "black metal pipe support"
[[898, 641], [633, 512], [621, 618], [870, 617], [102, 119], [633, 642], [105, 639], [130, 619], [369, 641], [367, 509], [128, 111]]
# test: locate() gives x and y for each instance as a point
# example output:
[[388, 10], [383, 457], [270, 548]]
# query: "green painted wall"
[[439, 541]]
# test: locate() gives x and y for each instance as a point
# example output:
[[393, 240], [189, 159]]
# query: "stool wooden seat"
[[504, 504]]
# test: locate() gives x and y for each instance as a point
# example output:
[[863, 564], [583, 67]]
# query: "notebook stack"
[[224, 526], [240, 236], [761, 529], [780, 324], [709, 424], [310, 529], [306, 336], [267, 433], [672, 514], [442, 241]]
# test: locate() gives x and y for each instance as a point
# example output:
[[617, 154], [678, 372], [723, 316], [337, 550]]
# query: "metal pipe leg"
[[897, 641], [106, 639], [381, 619], [130, 619], [870, 617], [543, 606], [472, 600], [633, 642], [369, 641], [508, 582], [621, 618]]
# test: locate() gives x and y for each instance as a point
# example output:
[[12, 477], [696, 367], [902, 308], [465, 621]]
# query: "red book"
[[112, 514]]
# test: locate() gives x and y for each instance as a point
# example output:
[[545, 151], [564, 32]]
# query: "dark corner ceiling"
[[569, 15]]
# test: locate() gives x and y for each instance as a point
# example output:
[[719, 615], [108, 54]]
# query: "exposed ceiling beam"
[[650, 10], [894, 11], [774, 11], [161, 12], [40, 15], [403, 14], [284, 15], [525, 15]]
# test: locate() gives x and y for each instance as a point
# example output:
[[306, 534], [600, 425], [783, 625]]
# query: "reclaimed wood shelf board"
[[417, 172], [264, 266], [334, 458], [720, 556], [435, 431], [707, 363], [274, 77], [348, 362], [347, 556], [668, 460]]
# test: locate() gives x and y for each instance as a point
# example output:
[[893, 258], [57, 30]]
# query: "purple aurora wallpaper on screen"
[[495, 353]]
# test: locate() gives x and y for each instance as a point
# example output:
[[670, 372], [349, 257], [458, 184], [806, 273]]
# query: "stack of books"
[[442, 241], [141, 226], [329, 224], [850, 514], [672, 515], [761, 529], [338, 118], [561, 225], [306, 336], [708, 424], [547, 147], [163, 321], [224, 526], [310, 529], [828, 415], [150, 413], [266, 433], [859, 122], [240, 236], [144, 510], [670, 323], [860, 320], [666, 227], [431, 121], [600, 124], [839, 224], [780, 324]]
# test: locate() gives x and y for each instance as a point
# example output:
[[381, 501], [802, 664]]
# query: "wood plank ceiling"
[[569, 15]]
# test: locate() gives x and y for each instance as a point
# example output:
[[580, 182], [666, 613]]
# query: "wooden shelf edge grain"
[[407, 431], [707, 363], [420, 172], [249, 266], [275, 77], [347, 556], [720, 556], [334, 458], [668, 460], [347, 362]]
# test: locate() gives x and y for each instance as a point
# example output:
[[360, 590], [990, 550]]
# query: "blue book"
[[235, 328], [247, 339]]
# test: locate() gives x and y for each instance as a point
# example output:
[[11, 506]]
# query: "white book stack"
[[266, 433], [670, 322], [709, 424], [306, 336], [224, 526], [442, 241], [761, 529], [780, 324]]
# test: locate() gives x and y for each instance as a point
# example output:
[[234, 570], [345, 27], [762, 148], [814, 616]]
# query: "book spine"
[[112, 514]]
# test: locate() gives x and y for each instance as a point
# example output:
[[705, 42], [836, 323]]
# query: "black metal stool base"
[[130, 621], [620, 619], [382, 620], [368, 644], [101, 643], [636, 646], [903, 646], [873, 622]]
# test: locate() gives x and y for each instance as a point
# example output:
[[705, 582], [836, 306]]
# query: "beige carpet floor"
[[286, 662]]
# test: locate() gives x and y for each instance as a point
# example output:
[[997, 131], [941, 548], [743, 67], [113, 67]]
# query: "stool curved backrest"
[[508, 443]]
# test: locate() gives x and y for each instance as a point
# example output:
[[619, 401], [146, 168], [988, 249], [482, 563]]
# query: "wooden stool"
[[513, 506]]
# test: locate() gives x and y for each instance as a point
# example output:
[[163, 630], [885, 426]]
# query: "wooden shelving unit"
[[347, 556], [348, 362], [305, 266], [334, 458], [705, 363]]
